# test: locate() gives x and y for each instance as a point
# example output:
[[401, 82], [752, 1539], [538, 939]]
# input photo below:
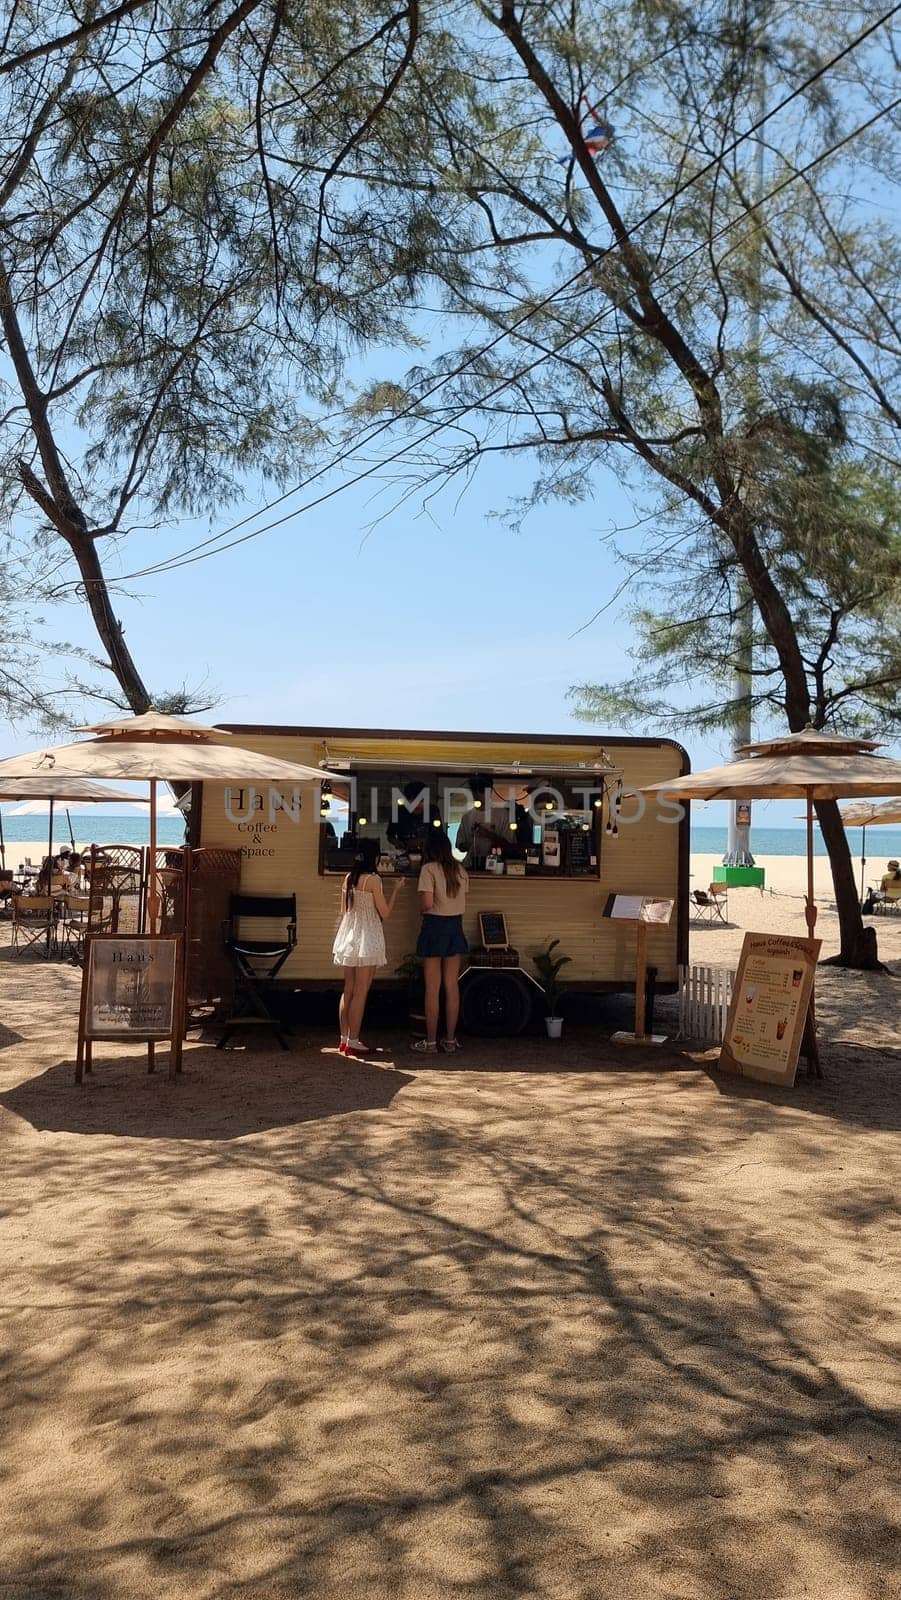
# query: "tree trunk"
[[72, 527], [858, 944]]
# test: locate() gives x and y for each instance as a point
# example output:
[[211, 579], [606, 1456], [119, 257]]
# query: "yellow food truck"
[[551, 828]]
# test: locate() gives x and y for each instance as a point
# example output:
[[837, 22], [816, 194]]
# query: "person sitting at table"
[[486, 826], [891, 879], [889, 889], [51, 868]]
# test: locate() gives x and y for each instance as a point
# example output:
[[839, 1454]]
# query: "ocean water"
[[881, 842], [90, 830]]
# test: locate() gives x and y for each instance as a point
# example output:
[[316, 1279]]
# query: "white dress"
[[360, 940]]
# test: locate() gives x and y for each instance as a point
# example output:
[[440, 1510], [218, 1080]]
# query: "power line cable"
[[188, 559], [201, 550]]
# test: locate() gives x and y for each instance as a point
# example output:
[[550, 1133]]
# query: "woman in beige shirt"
[[443, 884]]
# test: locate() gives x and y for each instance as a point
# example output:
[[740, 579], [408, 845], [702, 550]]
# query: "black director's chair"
[[258, 961]]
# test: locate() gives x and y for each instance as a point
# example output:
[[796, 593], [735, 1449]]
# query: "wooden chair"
[[34, 920], [74, 925]]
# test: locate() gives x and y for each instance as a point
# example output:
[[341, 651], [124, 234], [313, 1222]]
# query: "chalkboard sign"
[[493, 929], [578, 849], [132, 991]]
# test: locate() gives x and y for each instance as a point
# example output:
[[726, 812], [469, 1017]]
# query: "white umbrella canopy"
[[40, 808], [157, 747]]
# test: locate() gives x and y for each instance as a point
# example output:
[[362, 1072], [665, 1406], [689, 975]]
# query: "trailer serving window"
[[506, 822]]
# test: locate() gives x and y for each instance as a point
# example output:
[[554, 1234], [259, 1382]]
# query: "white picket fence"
[[704, 995]]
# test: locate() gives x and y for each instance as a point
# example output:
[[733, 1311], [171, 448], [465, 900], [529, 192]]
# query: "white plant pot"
[[554, 1027]]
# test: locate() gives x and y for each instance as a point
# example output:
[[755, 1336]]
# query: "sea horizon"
[[170, 831]]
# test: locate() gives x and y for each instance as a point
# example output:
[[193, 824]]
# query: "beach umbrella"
[[864, 814], [158, 748], [805, 766], [39, 794]]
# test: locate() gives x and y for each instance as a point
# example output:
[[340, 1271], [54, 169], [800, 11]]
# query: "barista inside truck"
[[486, 826], [408, 831]]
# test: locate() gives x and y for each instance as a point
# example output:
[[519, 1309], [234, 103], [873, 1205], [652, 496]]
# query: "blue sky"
[[447, 620]]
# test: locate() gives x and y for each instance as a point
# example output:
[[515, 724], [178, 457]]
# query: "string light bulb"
[[436, 822], [362, 821]]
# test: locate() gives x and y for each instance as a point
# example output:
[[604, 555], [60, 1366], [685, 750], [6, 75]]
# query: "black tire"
[[495, 1004]]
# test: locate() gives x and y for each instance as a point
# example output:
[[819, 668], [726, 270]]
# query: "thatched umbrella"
[[159, 748], [805, 766]]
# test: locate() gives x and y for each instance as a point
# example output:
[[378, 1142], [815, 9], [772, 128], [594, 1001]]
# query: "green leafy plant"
[[548, 967], [409, 970]]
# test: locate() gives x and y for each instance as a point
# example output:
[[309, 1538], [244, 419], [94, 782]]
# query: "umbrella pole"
[[2, 845], [153, 904], [50, 872], [863, 862], [810, 910], [71, 829]]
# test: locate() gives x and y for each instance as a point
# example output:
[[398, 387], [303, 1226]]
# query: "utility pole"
[[738, 844]]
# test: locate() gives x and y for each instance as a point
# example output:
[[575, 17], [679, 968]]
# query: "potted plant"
[[548, 966], [410, 971]]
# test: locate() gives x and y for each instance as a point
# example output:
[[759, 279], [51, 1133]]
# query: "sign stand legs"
[[640, 1035]]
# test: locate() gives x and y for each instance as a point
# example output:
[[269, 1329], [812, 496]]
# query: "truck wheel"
[[495, 1003]]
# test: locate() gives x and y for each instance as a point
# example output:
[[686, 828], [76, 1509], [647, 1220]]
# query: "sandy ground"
[[548, 1322]]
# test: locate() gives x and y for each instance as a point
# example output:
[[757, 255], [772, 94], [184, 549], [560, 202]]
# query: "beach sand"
[[543, 1322]]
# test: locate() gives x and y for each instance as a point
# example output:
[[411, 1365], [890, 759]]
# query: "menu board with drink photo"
[[771, 999]]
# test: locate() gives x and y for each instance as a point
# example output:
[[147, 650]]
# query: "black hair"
[[365, 858], [480, 783]]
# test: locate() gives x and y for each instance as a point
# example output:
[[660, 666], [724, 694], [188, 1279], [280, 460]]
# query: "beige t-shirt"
[[432, 881]]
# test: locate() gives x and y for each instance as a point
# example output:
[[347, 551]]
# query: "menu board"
[[493, 928], [129, 987], [638, 908], [771, 998]]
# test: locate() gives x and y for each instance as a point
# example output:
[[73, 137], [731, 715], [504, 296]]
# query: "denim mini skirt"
[[441, 936]]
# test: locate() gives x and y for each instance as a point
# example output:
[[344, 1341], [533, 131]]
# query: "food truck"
[[551, 828]]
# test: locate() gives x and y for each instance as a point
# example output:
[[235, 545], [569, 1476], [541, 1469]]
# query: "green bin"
[[740, 877]]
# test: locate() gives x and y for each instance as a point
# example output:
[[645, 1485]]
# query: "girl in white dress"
[[360, 942]]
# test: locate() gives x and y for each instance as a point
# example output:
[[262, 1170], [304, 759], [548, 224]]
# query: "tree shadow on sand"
[[491, 1355], [220, 1095]]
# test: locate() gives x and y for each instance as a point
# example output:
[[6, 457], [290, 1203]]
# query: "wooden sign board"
[[132, 991], [639, 908], [771, 1000], [645, 910], [493, 930]]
